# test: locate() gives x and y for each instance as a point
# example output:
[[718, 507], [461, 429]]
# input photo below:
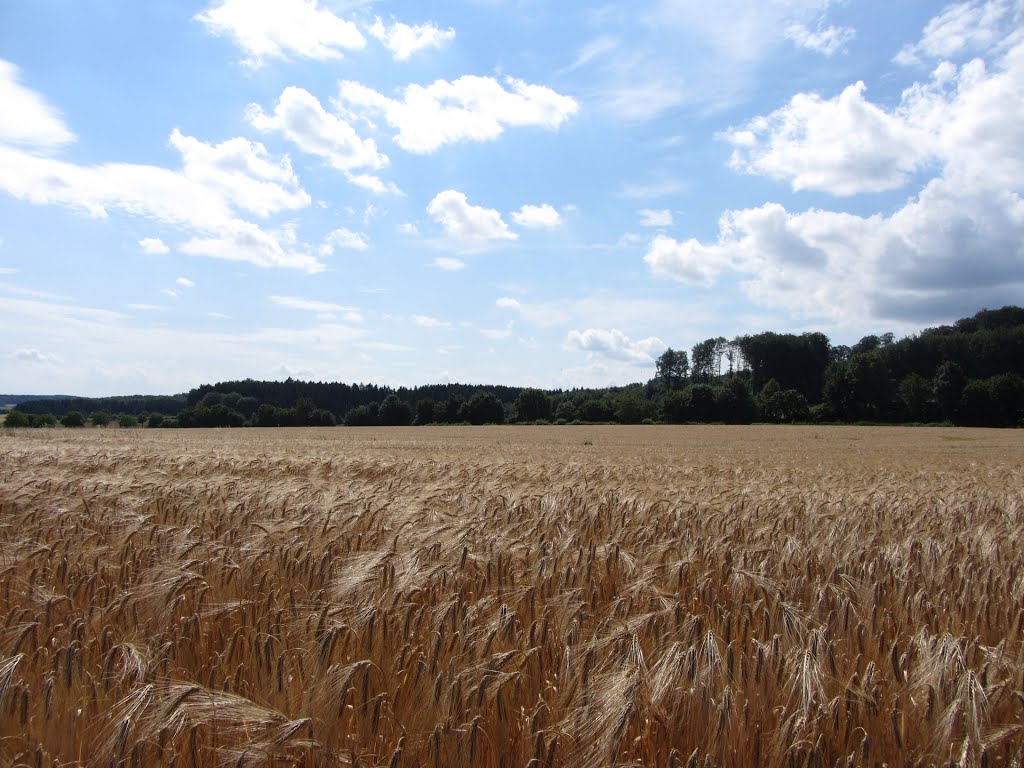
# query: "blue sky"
[[491, 191]]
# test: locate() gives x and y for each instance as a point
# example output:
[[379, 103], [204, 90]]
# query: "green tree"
[[394, 412], [44, 420], [672, 367], [632, 408], [127, 421], [363, 416], [73, 419], [917, 398], [733, 402], [155, 420], [321, 417], [453, 409], [859, 388], [533, 404], [595, 410], [425, 411], [781, 406], [484, 408], [16, 419], [100, 418], [948, 385]]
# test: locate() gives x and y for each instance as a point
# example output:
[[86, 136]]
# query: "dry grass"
[[528, 597]]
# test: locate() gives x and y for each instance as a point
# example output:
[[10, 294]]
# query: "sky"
[[509, 192]]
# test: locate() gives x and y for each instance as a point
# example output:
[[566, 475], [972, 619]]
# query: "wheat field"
[[512, 596]]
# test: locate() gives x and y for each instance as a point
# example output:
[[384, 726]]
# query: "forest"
[[970, 373]]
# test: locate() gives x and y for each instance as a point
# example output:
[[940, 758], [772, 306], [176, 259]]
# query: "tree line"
[[969, 373]]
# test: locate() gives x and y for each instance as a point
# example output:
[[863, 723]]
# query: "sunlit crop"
[[512, 597]]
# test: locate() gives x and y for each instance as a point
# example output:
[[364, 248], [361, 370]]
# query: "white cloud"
[[826, 41], [845, 145], [537, 217], [153, 246], [425, 321], [184, 282], [655, 218], [201, 198], [403, 40], [34, 356], [471, 108], [344, 238], [27, 119], [597, 48], [323, 309], [963, 28], [301, 119], [945, 253], [157, 193], [409, 229], [243, 173], [279, 29], [448, 264], [171, 294], [507, 302], [308, 305], [687, 53], [243, 241], [468, 222], [687, 262], [644, 96], [615, 345]]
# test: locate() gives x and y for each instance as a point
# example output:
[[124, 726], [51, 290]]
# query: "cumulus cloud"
[[301, 119], [845, 145], [963, 28], [204, 197], [507, 302], [655, 218], [826, 41], [537, 217], [153, 246], [184, 282], [471, 108], [944, 252], [242, 172], [28, 120], [615, 344], [686, 261], [280, 29], [343, 238], [464, 221], [448, 264], [242, 241], [403, 40]]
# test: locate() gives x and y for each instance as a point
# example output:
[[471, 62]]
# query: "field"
[[512, 596]]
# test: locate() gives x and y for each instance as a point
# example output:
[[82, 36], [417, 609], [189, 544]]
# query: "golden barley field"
[[529, 597]]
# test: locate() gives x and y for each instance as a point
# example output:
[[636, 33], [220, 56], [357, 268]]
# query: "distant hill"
[[134, 405], [9, 401]]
